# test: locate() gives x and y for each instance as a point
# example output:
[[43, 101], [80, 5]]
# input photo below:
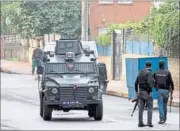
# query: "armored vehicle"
[[70, 81]]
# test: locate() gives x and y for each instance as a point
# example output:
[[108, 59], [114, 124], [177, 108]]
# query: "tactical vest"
[[143, 80], [161, 78]]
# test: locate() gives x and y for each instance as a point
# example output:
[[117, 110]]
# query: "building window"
[[102, 31], [125, 1], [157, 3], [105, 1]]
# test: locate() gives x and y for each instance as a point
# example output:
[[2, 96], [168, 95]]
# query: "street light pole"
[[84, 19]]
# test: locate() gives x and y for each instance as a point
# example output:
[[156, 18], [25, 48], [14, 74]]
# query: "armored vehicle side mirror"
[[92, 52], [51, 55], [93, 59], [102, 71], [45, 59], [47, 52], [87, 54]]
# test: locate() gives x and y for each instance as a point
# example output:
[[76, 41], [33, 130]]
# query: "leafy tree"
[[164, 26], [10, 14], [61, 17], [37, 18]]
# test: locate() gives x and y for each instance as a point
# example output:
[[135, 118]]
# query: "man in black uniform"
[[145, 81], [164, 84]]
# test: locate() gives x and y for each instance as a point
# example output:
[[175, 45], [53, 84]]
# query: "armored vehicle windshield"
[[64, 46]]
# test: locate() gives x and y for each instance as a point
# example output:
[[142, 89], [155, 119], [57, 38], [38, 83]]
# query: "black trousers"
[[145, 98]]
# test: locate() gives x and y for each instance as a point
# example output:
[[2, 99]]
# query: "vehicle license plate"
[[68, 104]]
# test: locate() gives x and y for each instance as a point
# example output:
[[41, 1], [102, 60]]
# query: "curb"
[[118, 94], [125, 95], [11, 72], [7, 71]]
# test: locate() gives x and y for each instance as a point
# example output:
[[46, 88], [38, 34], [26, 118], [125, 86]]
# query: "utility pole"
[[84, 19]]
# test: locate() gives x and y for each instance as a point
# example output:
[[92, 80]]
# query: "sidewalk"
[[15, 67], [115, 88]]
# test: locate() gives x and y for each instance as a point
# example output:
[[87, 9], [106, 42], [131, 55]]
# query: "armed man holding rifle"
[[145, 81], [164, 84]]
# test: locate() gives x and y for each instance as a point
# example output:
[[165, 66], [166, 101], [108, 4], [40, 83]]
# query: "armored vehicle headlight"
[[54, 91], [91, 90]]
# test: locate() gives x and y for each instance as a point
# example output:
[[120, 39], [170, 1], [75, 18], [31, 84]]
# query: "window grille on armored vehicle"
[[62, 67], [64, 46]]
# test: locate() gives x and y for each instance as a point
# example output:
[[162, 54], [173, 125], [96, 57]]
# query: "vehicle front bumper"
[[79, 104]]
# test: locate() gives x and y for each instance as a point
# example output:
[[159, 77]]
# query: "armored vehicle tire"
[[47, 111], [98, 112], [91, 110], [41, 107]]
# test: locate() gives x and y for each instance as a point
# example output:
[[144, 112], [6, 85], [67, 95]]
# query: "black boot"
[[161, 122], [150, 125], [141, 125]]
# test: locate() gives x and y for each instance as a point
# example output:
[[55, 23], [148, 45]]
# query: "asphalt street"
[[20, 111]]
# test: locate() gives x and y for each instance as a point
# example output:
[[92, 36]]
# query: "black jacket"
[[145, 81], [37, 53], [163, 79]]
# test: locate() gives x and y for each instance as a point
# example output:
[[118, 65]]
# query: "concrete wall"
[[173, 67]]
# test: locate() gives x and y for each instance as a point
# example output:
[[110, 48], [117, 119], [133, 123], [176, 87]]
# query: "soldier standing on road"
[[145, 81], [36, 58], [163, 82]]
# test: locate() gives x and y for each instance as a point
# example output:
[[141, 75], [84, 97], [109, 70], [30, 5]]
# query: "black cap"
[[148, 63], [161, 63]]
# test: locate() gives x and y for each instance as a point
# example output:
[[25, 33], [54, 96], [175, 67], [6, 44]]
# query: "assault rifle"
[[135, 106], [171, 98]]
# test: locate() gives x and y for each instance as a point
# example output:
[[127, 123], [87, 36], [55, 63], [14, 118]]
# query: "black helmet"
[[148, 64], [161, 63]]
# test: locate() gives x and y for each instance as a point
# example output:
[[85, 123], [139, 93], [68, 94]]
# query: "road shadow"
[[73, 119]]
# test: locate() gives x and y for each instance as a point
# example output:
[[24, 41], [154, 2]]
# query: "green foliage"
[[164, 26], [42, 17], [139, 28], [104, 39], [10, 14]]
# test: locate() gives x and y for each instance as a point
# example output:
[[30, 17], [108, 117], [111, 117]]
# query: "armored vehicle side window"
[[61, 46]]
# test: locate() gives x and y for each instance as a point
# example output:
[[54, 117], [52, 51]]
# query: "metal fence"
[[11, 48], [132, 44]]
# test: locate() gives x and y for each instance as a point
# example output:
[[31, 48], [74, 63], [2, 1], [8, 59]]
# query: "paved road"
[[20, 110]]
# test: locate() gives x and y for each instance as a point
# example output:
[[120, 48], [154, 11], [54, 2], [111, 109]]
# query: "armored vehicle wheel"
[[41, 107], [91, 110], [47, 111], [99, 112]]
